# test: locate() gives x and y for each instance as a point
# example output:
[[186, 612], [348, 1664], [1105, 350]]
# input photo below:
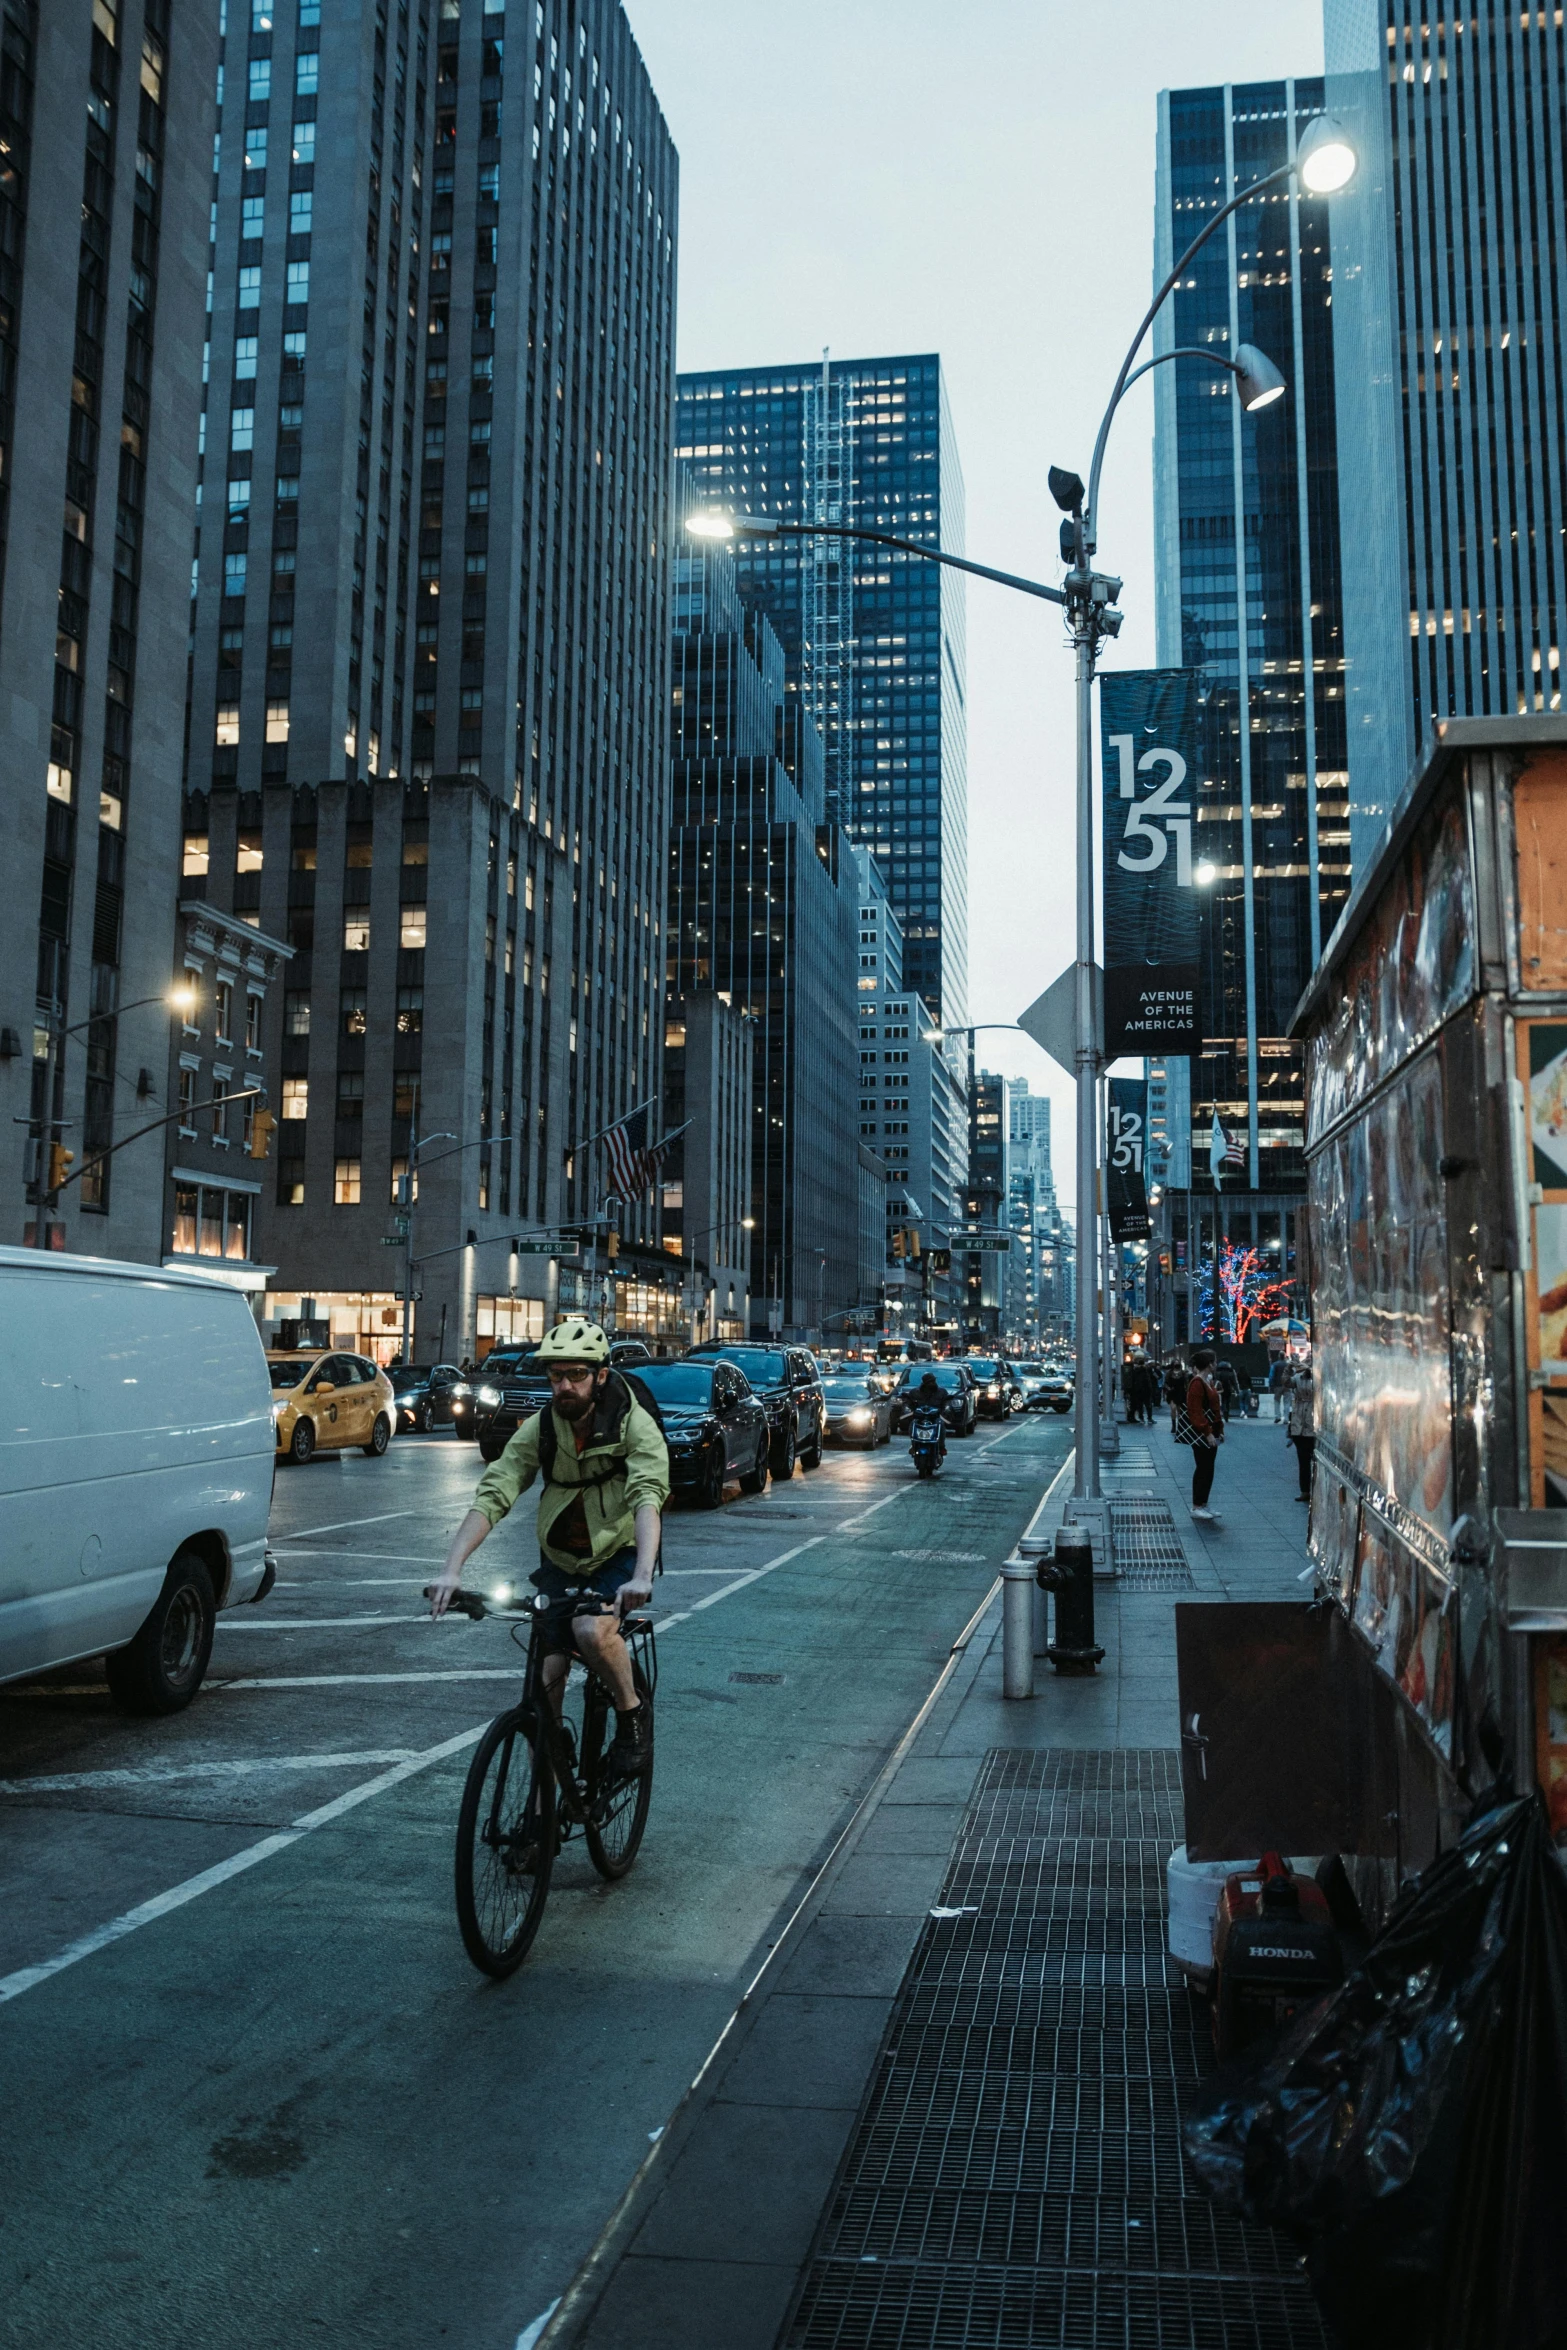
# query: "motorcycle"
[[927, 1441]]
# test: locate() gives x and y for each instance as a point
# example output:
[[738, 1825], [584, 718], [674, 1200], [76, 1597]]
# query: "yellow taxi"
[[326, 1402]]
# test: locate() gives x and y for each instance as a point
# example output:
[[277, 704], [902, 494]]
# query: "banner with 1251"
[[1150, 765]]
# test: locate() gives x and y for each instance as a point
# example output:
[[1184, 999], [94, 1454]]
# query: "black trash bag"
[[1412, 2127]]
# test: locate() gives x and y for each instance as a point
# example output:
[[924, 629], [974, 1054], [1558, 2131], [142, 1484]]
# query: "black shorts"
[[563, 1589]]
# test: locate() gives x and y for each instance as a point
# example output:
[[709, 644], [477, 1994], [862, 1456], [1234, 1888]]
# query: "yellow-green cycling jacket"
[[622, 1433]]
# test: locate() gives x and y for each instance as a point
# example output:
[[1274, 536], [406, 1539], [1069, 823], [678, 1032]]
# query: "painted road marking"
[[338, 1524], [26, 1978], [178, 1896], [164, 1774]]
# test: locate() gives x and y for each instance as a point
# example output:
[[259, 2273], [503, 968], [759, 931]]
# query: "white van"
[[136, 1466]]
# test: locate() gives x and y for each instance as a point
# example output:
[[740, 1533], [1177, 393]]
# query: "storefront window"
[[184, 1220], [211, 1240], [237, 1231], [508, 1320]]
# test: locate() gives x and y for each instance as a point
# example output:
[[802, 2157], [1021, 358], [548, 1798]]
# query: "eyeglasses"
[[572, 1374]]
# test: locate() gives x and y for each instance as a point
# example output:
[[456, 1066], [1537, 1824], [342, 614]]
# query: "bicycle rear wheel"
[[617, 1809], [505, 1846]]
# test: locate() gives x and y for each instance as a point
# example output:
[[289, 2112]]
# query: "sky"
[[906, 175]]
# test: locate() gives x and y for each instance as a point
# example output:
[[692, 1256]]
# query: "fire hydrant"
[[1070, 1575]]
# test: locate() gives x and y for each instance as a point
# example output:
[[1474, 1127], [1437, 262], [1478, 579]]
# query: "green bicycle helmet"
[[574, 1341]]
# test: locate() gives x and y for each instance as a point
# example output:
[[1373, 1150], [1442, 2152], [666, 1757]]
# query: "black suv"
[[789, 1387], [422, 1393], [509, 1387]]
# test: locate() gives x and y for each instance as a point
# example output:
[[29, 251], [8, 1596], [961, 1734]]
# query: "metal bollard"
[[1070, 1575], [1017, 1629]]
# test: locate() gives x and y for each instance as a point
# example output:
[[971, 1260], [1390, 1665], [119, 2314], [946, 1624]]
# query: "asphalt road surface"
[[254, 2093]]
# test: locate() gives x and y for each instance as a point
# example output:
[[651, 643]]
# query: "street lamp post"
[[179, 998], [1324, 161], [688, 1252]]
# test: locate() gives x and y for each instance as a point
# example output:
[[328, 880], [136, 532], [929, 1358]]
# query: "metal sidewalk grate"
[[1149, 1555], [1015, 2177]]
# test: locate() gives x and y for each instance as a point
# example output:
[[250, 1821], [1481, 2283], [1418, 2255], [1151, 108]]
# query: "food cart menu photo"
[[1543, 1053]]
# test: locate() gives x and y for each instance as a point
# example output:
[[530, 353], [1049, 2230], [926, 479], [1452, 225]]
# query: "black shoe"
[[631, 1748]]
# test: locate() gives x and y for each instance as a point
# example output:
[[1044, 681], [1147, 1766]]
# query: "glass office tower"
[[428, 733], [873, 641], [1246, 521], [1450, 264]]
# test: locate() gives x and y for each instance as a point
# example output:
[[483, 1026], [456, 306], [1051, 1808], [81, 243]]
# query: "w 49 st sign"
[[1150, 759]]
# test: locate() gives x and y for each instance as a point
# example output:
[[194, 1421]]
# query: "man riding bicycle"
[[606, 1480]]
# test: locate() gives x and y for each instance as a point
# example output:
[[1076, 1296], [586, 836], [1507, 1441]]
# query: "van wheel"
[[380, 1436], [303, 1441], [166, 1663]]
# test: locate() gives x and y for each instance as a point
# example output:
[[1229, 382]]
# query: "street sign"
[[1051, 1019], [548, 1248], [417, 1296], [978, 1238], [394, 1240]]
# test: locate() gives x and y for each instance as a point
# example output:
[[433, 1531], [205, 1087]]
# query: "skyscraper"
[[106, 137], [762, 906], [428, 730], [873, 641], [1246, 524], [1450, 263]]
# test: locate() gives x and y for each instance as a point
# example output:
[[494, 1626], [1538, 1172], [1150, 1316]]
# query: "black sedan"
[[996, 1390], [958, 1402], [859, 1409], [714, 1426], [422, 1393], [790, 1387]]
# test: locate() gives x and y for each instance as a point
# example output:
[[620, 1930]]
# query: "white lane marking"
[[26, 1978], [372, 1558], [338, 1524], [530, 2334], [353, 1680], [163, 1774], [310, 1623], [146, 1912]]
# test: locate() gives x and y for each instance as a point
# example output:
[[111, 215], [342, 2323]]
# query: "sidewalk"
[[948, 2113]]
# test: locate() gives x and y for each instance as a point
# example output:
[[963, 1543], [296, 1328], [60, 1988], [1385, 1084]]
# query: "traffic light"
[[261, 1133], [898, 1241], [914, 1243], [613, 1246], [60, 1159]]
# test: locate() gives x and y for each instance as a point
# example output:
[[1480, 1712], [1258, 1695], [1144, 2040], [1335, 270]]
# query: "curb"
[[581, 2298]]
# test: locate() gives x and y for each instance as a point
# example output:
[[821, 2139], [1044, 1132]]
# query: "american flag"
[[634, 1159], [1224, 1150]]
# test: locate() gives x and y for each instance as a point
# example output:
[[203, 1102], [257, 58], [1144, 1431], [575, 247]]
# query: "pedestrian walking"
[[1200, 1423], [1175, 1383], [1279, 1387], [1303, 1426], [1225, 1380]]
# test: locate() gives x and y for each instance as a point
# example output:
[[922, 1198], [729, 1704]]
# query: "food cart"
[[1436, 1143]]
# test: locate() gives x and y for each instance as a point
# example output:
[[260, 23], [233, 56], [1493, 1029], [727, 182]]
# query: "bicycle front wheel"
[[505, 1846], [616, 1809]]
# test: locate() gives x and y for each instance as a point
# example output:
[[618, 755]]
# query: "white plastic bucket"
[[1192, 1890]]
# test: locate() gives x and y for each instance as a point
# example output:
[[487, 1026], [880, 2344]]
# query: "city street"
[[283, 2107]]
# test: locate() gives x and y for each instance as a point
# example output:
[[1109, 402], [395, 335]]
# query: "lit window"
[[247, 853], [256, 149], [239, 498], [412, 931], [304, 142], [399, 1178], [227, 730], [59, 780], [195, 856], [356, 934], [345, 1183], [277, 722], [353, 1008], [296, 1091], [410, 1011]]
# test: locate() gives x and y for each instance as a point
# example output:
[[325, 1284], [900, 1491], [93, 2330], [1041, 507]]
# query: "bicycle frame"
[[536, 1707]]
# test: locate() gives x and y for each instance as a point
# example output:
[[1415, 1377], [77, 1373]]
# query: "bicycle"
[[535, 1779]]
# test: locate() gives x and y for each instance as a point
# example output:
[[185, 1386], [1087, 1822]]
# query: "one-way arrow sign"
[[1051, 1020]]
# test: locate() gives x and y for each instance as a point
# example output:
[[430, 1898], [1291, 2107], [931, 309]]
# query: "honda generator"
[[1275, 1950]]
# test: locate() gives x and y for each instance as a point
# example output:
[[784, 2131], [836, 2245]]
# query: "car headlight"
[[459, 1387], [859, 1419], [489, 1397], [278, 1409]]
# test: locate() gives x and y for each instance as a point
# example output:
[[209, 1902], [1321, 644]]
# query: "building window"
[[353, 1010], [187, 1100], [356, 934], [350, 1094], [248, 853], [222, 1010], [234, 585], [412, 927], [405, 1093], [410, 1011], [185, 1211], [298, 289], [227, 728], [291, 1183], [345, 1183], [277, 722], [304, 142], [307, 73], [260, 80], [296, 1013], [195, 855], [296, 1097], [300, 204], [399, 1178], [244, 358]]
